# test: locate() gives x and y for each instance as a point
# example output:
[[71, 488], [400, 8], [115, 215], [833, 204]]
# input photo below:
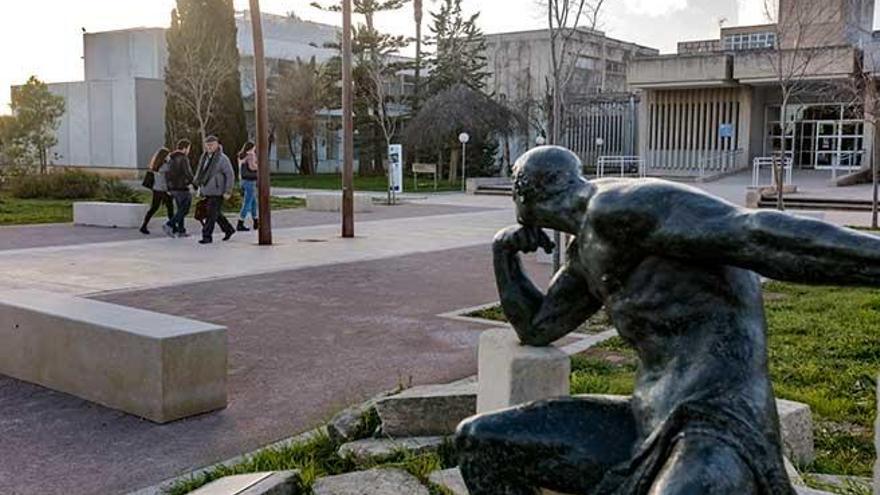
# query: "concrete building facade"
[[115, 118], [716, 105], [598, 94]]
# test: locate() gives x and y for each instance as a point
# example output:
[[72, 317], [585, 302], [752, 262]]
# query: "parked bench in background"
[[151, 365], [424, 168]]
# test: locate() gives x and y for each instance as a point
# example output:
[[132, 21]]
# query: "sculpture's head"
[[547, 188]]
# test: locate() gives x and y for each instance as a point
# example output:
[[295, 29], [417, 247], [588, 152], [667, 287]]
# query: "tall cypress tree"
[[203, 82]]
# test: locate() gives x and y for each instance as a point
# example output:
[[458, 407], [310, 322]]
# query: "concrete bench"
[[332, 201], [151, 365], [119, 215]]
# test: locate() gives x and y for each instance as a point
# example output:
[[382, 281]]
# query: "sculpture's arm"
[[774, 244], [538, 319]]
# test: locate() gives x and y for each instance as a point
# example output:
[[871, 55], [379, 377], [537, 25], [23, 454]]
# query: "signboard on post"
[[395, 170]]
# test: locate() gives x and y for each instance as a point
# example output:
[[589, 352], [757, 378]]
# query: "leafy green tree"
[[36, 116], [460, 48], [379, 101], [203, 83]]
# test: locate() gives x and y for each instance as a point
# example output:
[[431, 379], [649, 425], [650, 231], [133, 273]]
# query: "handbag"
[[149, 180], [201, 213]]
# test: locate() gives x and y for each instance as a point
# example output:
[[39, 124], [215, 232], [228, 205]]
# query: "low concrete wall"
[[155, 366], [118, 215], [332, 201], [471, 185]]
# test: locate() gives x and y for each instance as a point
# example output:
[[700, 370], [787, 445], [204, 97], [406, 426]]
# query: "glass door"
[[827, 145]]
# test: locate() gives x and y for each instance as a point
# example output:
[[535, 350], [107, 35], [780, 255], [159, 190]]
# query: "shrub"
[[69, 184], [115, 191]]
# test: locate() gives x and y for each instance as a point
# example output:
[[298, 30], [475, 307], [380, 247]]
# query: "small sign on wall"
[[726, 130], [395, 168]]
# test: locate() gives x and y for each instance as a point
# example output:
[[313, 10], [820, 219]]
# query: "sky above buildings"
[[44, 37]]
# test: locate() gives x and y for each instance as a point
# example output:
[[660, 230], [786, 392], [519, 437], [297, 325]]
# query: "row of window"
[[749, 41]]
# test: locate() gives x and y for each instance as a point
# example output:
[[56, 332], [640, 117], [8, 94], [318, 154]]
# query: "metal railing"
[[761, 163], [719, 162], [623, 165]]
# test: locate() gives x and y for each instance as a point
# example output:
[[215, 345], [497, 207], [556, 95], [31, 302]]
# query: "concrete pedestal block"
[[332, 201], [511, 373], [120, 215], [796, 427], [268, 483], [155, 366]]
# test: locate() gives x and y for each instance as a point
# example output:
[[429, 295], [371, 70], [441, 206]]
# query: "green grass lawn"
[[824, 347], [373, 183], [14, 211]]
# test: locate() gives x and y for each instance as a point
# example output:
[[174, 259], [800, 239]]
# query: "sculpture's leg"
[[564, 444], [704, 465]]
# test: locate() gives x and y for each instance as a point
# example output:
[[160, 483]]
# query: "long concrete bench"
[[117, 215], [155, 366], [332, 201]]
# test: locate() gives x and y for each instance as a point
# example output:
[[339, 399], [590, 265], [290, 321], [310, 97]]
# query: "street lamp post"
[[347, 126], [262, 111], [463, 138]]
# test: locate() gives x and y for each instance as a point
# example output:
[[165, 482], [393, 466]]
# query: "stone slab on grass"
[[372, 482], [430, 410], [451, 480], [332, 201], [368, 448], [268, 483], [796, 426], [100, 214], [510, 373]]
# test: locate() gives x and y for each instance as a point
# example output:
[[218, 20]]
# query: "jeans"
[[159, 198], [215, 216], [249, 199], [183, 201]]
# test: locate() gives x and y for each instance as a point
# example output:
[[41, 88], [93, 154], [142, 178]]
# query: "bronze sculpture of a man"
[[675, 269]]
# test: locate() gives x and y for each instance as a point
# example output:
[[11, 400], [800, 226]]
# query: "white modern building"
[[115, 118]]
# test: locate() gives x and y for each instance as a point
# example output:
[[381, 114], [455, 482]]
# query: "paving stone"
[[382, 447], [796, 426], [431, 410], [268, 483], [451, 480], [372, 482]]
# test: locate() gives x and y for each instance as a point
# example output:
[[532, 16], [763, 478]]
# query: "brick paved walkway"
[[302, 344]]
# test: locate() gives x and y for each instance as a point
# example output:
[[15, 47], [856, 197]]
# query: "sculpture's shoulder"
[[634, 196]]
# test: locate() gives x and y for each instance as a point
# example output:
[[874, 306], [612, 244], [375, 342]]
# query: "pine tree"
[[460, 50], [37, 113], [203, 83]]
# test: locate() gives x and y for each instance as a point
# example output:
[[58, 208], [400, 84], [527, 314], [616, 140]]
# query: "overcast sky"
[[44, 37]]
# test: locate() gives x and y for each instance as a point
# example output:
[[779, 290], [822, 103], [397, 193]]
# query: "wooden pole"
[[347, 126], [262, 110]]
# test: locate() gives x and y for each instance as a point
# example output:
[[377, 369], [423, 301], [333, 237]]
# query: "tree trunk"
[[307, 154], [454, 156], [417, 5], [875, 158]]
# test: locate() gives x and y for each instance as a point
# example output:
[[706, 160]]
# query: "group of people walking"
[[171, 179]]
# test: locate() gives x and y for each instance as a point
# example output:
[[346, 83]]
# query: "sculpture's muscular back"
[[698, 327]]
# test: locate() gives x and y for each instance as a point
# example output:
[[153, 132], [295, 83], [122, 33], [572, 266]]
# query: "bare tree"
[[297, 95], [803, 36], [198, 85], [566, 20]]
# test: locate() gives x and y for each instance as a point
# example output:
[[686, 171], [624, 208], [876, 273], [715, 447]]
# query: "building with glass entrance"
[[716, 105]]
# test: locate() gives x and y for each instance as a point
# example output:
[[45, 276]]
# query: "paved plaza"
[[315, 323]]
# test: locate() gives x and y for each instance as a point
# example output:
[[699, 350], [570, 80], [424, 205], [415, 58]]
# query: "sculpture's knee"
[[468, 435], [704, 466]]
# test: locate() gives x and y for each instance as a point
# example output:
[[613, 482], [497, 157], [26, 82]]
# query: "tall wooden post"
[[262, 110], [347, 126]]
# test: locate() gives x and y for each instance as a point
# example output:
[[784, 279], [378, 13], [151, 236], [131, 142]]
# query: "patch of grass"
[[374, 183], [14, 211], [597, 323]]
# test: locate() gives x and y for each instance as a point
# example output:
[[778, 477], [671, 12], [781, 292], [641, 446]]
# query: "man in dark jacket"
[[215, 179], [179, 178]]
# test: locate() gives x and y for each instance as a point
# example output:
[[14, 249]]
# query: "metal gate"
[[605, 125]]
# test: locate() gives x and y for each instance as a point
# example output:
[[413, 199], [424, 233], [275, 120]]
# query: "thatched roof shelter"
[[455, 110]]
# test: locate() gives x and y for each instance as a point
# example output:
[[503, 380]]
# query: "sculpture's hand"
[[522, 239]]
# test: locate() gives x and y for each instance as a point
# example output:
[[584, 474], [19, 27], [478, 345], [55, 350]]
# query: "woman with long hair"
[[248, 167], [158, 169]]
